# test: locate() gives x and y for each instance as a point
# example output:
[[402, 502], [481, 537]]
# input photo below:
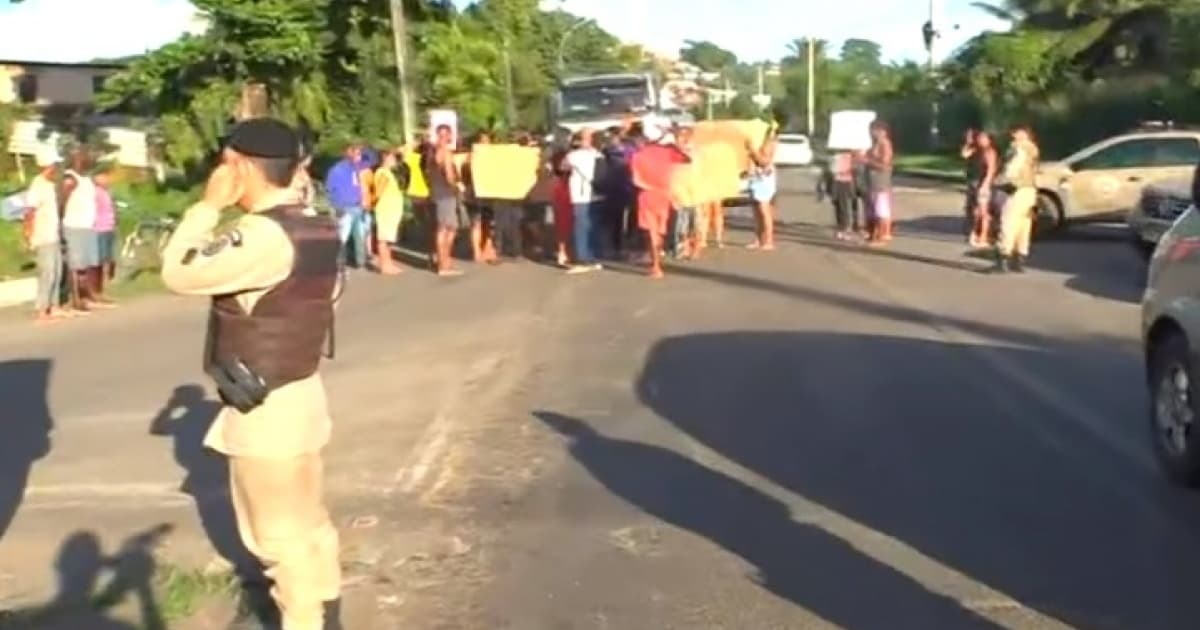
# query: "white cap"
[[47, 156]]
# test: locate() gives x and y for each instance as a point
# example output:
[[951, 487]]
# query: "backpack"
[[601, 175]]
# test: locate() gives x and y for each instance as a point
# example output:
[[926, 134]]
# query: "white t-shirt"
[[80, 212], [583, 170], [43, 198]]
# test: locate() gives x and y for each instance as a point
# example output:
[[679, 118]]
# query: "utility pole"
[[931, 34], [562, 45], [400, 42], [812, 86]]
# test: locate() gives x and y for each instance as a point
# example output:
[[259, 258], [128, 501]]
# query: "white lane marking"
[[434, 443]]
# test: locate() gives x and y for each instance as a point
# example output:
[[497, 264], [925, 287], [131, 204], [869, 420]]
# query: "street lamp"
[[562, 44]]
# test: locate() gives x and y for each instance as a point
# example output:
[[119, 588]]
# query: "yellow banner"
[[504, 171]]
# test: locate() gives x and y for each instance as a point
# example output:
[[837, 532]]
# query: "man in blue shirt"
[[344, 188]]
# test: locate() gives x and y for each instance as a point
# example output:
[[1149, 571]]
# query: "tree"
[[194, 82], [707, 56]]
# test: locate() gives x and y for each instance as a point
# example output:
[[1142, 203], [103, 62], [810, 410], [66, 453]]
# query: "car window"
[[1176, 152], [1127, 154]]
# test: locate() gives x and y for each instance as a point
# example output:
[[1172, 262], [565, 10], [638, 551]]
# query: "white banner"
[[850, 130], [439, 117]]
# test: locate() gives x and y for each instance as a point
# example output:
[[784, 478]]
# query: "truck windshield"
[[608, 99]]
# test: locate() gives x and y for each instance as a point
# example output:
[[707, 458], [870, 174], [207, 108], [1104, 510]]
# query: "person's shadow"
[[79, 604], [25, 426], [186, 418], [798, 562]]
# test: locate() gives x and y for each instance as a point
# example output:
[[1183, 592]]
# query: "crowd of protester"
[[70, 224], [602, 195]]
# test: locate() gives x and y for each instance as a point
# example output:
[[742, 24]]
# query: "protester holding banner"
[[763, 188], [652, 168], [479, 210], [443, 177]]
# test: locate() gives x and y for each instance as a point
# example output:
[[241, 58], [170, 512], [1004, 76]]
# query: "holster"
[[237, 384]]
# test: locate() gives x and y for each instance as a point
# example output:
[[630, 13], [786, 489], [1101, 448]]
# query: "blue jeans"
[[681, 221], [50, 276], [585, 232], [352, 225]]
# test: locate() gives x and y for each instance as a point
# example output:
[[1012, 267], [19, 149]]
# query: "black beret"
[[265, 138]]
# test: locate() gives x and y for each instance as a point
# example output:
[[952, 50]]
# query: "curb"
[[19, 291], [931, 174]]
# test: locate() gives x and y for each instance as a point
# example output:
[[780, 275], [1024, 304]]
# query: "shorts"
[[763, 188], [106, 243], [654, 212], [977, 197], [883, 205], [446, 211], [83, 248]]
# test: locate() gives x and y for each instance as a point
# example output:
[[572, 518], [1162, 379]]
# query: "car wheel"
[[1173, 409], [1050, 218]]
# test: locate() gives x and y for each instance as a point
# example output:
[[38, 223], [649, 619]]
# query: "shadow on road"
[[1114, 271], [910, 439], [1099, 259], [799, 562], [24, 431], [186, 419], [80, 603], [816, 237]]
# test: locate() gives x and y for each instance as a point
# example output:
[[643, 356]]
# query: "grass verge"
[[171, 595], [936, 164]]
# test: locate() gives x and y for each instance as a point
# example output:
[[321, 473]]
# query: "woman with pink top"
[[106, 235]]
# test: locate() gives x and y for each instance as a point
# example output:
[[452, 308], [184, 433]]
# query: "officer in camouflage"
[[272, 278]]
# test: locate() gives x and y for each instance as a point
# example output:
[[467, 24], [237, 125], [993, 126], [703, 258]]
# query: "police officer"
[[272, 278]]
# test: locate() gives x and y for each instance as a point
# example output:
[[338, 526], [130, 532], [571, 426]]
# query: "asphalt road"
[[824, 436]]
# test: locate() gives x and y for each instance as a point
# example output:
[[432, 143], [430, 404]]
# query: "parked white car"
[[793, 150]]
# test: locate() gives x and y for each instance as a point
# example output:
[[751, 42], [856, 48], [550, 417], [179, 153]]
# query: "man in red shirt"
[[651, 166]]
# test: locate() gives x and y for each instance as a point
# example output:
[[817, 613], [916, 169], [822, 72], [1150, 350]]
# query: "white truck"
[[602, 101]]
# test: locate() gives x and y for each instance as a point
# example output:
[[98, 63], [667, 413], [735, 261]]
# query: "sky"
[[80, 30]]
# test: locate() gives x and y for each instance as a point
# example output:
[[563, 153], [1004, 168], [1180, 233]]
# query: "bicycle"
[[142, 248]]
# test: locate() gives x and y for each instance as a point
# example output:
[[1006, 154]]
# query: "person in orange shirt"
[[366, 178], [651, 167]]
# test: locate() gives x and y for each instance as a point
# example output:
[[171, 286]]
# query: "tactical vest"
[[283, 337]]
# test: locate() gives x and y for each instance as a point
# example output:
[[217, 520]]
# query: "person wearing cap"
[[343, 185], [272, 277], [43, 234]]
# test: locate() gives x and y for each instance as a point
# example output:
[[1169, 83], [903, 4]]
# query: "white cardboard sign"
[[850, 130], [439, 117]]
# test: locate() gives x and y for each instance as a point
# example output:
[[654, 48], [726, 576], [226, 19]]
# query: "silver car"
[[1157, 209], [1171, 338]]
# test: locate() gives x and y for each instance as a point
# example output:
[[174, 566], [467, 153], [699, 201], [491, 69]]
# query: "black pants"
[[614, 216], [845, 206], [507, 233]]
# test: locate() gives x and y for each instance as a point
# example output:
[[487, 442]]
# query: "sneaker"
[[575, 270], [1018, 264]]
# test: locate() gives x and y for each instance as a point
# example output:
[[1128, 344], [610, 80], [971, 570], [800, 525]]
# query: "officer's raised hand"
[[253, 252], [224, 186]]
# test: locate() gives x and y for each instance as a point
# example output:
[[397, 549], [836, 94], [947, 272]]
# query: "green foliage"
[[708, 56], [331, 65]]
